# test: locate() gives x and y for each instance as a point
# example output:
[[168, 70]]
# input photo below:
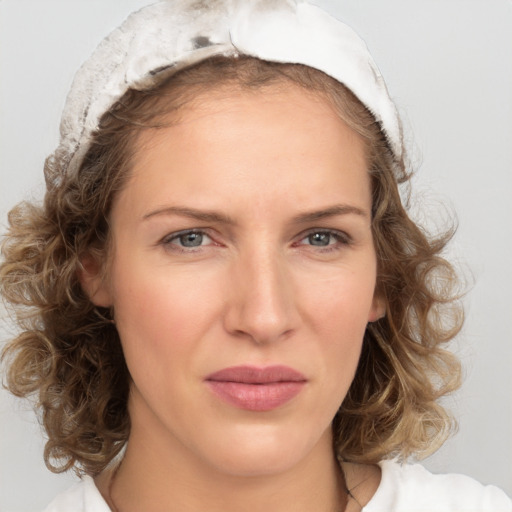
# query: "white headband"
[[159, 39]]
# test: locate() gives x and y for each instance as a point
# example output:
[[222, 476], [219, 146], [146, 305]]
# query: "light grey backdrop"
[[448, 64]]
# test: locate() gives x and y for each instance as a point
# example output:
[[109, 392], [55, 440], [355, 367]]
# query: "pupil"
[[321, 239], [191, 239]]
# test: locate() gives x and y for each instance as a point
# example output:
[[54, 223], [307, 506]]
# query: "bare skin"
[[362, 480], [274, 189]]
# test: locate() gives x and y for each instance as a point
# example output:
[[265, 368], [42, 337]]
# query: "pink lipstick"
[[256, 389]]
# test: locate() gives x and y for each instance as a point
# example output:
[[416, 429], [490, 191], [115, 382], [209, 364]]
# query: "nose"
[[261, 305]]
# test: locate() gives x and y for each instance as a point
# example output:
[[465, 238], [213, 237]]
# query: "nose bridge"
[[261, 306]]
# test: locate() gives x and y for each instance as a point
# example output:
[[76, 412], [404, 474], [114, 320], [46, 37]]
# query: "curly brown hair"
[[68, 354]]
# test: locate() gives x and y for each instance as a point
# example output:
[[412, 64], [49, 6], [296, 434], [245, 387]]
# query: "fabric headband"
[[156, 41]]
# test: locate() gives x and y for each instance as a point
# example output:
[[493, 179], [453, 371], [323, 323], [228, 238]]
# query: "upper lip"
[[247, 374]]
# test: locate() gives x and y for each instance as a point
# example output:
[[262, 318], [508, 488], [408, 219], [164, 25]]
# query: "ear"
[[91, 279], [378, 309]]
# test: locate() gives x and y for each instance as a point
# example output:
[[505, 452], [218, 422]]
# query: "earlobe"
[[378, 309], [92, 281]]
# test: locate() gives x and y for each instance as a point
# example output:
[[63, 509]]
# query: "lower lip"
[[256, 397]]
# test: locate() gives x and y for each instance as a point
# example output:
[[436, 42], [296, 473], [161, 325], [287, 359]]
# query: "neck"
[[164, 488], [166, 476]]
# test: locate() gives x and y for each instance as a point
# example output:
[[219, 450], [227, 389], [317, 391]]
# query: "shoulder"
[[82, 497], [412, 488]]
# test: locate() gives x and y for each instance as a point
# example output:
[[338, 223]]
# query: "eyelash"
[[341, 238], [169, 239]]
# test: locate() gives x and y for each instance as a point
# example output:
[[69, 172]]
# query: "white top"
[[403, 488]]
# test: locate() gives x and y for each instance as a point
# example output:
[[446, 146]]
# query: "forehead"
[[269, 146], [283, 105], [277, 116]]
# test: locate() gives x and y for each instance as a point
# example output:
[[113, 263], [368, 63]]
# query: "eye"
[[325, 239], [187, 239], [320, 239]]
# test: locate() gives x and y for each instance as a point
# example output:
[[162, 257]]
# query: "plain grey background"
[[448, 65]]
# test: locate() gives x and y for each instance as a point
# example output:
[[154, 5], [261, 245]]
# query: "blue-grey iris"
[[191, 239], [319, 239]]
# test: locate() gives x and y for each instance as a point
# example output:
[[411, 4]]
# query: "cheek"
[[161, 312], [342, 299], [338, 312]]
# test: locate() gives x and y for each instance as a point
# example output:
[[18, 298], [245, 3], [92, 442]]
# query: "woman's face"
[[242, 279]]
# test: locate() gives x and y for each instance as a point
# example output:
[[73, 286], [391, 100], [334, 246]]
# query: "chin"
[[254, 463], [266, 452]]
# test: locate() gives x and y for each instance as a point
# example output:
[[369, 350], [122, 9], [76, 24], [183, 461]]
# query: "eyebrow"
[[332, 211], [217, 217], [192, 213]]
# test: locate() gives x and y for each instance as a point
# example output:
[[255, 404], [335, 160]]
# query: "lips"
[[256, 389]]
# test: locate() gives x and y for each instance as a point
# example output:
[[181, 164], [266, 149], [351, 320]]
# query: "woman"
[[224, 281]]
